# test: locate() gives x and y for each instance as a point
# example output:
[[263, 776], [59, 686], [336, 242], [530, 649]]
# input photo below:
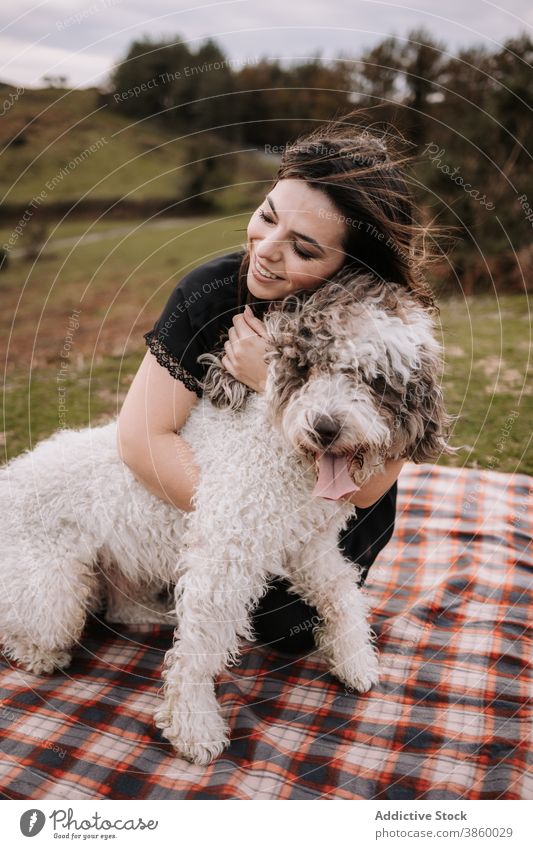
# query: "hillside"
[[61, 145]]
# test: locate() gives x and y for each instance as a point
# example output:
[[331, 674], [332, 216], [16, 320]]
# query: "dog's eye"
[[378, 384], [305, 333]]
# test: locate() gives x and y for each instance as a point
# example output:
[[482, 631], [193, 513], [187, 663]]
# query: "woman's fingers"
[[244, 351], [240, 327], [228, 349], [254, 323], [227, 360], [230, 359], [246, 322]]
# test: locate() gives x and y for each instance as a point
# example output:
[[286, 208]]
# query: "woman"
[[338, 200]]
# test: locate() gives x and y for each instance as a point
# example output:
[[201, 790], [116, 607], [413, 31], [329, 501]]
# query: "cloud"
[[83, 40]]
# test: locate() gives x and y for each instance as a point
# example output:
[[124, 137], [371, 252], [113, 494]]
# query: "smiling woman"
[[340, 200]]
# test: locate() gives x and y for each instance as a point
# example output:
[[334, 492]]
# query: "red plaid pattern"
[[450, 718]]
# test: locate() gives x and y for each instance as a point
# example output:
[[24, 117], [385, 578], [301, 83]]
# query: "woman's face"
[[296, 235]]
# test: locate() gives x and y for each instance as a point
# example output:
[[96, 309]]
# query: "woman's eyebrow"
[[301, 235]]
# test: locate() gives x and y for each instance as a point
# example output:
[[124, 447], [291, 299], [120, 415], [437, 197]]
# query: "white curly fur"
[[76, 527]]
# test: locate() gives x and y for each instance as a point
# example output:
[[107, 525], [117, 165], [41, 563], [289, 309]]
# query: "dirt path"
[[90, 238]]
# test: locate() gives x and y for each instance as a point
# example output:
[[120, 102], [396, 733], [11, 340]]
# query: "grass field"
[[487, 380], [121, 283]]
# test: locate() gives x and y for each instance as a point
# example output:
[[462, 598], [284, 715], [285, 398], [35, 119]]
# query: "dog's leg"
[[214, 600], [43, 607], [326, 580]]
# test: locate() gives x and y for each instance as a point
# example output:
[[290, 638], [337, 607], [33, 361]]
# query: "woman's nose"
[[271, 248]]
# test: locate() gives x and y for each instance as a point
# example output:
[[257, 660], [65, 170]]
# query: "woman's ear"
[[221, 387]]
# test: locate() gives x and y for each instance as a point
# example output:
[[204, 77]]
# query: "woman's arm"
[[156, 406], [377, 485]]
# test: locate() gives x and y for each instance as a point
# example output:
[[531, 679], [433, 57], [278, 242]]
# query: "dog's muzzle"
[[326, 430]]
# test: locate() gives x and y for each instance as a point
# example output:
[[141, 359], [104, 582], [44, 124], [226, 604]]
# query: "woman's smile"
[[262, 272]]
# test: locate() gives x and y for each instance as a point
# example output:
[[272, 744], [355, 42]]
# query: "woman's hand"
[[244, 350]]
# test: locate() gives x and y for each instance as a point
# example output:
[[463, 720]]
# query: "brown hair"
[[362, 174]]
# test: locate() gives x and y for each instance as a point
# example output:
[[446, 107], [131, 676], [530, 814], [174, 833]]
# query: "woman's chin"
[[265, 291]]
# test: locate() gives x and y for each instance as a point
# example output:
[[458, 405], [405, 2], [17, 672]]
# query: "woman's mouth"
[[261, 273]]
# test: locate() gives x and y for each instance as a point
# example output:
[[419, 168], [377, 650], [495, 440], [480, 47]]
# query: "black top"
[[195, 320], [196, 316]]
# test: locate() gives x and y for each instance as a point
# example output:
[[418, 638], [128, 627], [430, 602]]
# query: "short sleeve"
[[174, 344], [196, 312]]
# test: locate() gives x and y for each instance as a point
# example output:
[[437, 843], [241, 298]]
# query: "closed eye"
[[296, 249]]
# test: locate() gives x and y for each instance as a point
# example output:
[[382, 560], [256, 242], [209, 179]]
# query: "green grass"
[[127, 239], [73, 228], [487, 380], [121, 285], [34, 403]]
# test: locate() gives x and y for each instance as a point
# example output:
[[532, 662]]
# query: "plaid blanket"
[[452, 607]]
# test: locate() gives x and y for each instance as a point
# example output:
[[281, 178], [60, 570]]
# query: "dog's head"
[[354, 369]]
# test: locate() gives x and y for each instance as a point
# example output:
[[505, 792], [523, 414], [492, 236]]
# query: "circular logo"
[[32, 822]]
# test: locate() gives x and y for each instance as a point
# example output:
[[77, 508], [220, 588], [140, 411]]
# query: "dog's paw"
[[201, 753], [37, 661], [199, 740], [355, 662], [359, 672]]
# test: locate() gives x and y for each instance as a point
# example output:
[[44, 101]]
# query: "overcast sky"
[[82, 40]]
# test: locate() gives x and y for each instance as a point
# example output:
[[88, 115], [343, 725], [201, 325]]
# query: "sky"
[[83, 40]]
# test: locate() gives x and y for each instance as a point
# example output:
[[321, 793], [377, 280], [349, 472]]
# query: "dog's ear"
[[220, 387], [428, 421], [284, 333], [421, 429]]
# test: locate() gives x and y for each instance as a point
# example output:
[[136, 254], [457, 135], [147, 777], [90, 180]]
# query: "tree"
[[424, 64], [206, 171], [151, 80], [378, 73], [212, 83], [53, 81]]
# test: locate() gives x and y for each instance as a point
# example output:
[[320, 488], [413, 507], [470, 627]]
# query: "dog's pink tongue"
[[333, 479]]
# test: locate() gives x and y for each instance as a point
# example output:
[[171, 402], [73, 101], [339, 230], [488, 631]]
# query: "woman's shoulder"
[[216, 276], [204, 299], [209, 295]]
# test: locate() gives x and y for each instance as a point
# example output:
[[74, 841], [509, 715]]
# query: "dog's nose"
[[326, 429]]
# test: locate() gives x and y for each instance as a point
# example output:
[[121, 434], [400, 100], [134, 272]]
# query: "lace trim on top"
[[169, 361]]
